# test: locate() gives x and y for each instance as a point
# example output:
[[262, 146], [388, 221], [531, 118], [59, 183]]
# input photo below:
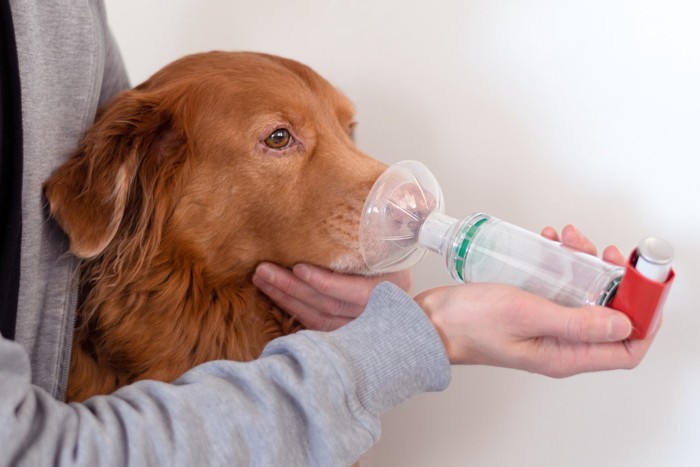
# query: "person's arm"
[[313, 398], [487, 324]]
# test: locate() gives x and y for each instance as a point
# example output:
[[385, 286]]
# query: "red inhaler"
[[645, 284]]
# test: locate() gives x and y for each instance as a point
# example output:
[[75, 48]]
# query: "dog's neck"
[[160, 320]]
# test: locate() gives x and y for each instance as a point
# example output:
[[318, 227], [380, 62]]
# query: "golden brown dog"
[[183, 185]]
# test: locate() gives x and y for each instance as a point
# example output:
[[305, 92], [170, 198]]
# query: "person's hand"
[[321, 299], [503, 326], [572, 237]]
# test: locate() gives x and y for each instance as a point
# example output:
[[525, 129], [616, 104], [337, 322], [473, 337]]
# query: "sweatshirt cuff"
[[393, 349]]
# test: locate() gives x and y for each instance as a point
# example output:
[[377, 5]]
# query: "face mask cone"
[[400, 201]]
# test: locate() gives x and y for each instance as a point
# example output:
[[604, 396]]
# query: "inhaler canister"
[[645, 285]]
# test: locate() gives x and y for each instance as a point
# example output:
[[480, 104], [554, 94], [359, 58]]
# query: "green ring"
[[461, 252]]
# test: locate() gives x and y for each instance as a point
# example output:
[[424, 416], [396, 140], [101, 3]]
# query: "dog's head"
[[228, 158]]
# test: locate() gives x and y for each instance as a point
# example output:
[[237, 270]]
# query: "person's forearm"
[[312, 399]]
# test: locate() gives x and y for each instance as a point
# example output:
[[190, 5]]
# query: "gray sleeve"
[[312, 398]]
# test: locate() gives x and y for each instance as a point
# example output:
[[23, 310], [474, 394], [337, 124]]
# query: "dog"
[[183, 185]]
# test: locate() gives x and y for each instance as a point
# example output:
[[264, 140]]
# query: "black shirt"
[[10, 173]]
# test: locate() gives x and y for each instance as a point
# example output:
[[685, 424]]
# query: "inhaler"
[[403, 217]]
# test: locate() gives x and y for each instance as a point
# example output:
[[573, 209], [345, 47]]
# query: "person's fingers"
[[297, 298], [572, 237], [297, 293], [276, 283], [327, 283], [321, 290], [612, 254], [344, 287], [581, 358], [577, 340], [268, 274], [575, 239], [550, 233], [589, 324]]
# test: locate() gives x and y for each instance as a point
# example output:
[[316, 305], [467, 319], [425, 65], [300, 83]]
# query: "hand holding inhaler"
[[403, 217]]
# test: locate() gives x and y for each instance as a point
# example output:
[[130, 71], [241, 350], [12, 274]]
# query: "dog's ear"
[[90, 194]]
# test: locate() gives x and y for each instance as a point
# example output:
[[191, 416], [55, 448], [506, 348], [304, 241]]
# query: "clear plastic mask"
[[400, 201]]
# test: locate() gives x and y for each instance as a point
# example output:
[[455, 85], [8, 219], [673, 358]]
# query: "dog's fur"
[[174, 197]]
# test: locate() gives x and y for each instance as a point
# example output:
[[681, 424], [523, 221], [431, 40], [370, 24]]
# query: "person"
[[312, 398]]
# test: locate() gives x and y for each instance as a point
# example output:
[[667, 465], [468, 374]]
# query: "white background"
[[537, 112]]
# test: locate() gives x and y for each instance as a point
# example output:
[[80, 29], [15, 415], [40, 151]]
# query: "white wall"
[[538, 112]]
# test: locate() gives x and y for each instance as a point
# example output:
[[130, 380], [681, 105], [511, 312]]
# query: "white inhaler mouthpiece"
[[403, 217]]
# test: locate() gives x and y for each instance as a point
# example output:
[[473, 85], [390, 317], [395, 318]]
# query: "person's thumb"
[[591, 324]]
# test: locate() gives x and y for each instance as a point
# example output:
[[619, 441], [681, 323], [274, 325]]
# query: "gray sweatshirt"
[[312, 398]]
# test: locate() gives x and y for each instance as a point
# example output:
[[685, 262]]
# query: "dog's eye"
[[278, 139]]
